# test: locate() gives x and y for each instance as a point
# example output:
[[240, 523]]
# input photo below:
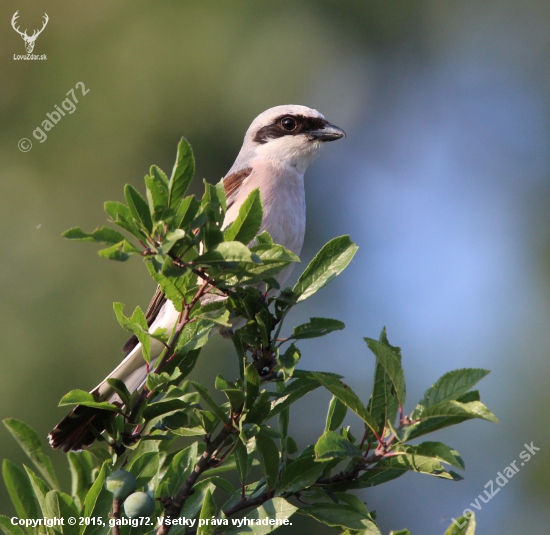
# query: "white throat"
[[292, 151]]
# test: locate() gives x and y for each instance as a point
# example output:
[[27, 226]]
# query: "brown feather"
[[233, 182]]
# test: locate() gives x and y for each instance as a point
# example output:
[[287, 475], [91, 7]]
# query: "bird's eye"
[[288, 123]]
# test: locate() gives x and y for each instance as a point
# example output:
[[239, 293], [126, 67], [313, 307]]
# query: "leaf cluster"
[[205, 459]]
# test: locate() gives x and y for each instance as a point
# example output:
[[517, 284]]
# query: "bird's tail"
[[83, 424], [79, 428]]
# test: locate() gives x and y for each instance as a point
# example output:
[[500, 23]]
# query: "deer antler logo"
[[29, 40]]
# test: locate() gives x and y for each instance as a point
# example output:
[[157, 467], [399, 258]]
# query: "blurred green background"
[[443, 181]]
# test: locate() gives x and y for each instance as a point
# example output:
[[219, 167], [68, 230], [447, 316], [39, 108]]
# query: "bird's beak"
[[329, 132]]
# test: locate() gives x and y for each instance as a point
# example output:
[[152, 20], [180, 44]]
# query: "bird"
[[277, 149]]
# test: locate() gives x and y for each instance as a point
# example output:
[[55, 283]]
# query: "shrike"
[[278, 147]]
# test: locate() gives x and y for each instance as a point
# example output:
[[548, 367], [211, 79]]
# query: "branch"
[[168, 352], [243, 504], [178, 262], [175, 505], [184, 320], [262, 498], [117, 504]]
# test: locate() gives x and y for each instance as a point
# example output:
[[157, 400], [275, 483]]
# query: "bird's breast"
[[283, 197]]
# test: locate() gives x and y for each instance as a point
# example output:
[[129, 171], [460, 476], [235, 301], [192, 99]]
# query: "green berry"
[[121, 484], [139, 504]]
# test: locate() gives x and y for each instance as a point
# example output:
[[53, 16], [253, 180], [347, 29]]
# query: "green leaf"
[[20, 490], [353, 501], [391, 362], [340, 515], [274, 258], [182, 174], [157, 190], [194, 502], [39, 487], [219, 317], [187, 210], [144, 467], [268, 455], [208, 510], [119, 252], [346, 395], [289, 360], [252, 385], [214, 203], [99, 455], [401, 532], [138, 207], [61, 505], [159, 175], [248, 221], [8, 528], [329, 262], [283, 423], [243, 458], [464, 525], [120, 388], [226, 252], [216, 409], [163, 407], [293, 392], [291, 446], [102, 235], [168, 242], [180, 468], [276, 509], [300, 473], [98, 502], [136, 324], [270, 431], [175, 288], [415, 462], [436, 450], [264, 238], [274, 254], [121, 215], [370, 478], [383, 404], [316, 327], [31, 444], [235, 397], [336, 413], [81, 397], [117, 210], [445, 414], [259, 412], [449, 387], [81, 465], [222, 483], [331, 446]]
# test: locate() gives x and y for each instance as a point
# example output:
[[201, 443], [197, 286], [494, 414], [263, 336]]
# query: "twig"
[[168, 352], [259, 500], [200, 273], [175, 504], [184, 320], [117, 505]]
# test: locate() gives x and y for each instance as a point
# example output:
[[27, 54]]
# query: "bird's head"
[[289, 135]]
